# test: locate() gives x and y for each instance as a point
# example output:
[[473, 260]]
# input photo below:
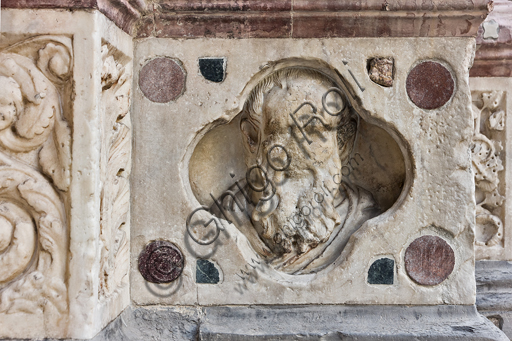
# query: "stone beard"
[[302, 216]]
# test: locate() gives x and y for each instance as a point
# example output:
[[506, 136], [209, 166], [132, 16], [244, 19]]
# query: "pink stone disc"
[[430, 85], [429, 260], [162, 80]]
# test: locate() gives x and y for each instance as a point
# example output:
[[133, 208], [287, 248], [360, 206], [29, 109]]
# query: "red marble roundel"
[[162, 80], [430, 85], [429, 260], [161, 262]]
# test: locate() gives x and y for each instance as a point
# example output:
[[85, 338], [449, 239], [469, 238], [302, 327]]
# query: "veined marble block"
[[65, 149], [313, 171]]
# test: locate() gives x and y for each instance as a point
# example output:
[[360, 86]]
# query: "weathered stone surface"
[[492, 61], [49, 3], [345, 323], [494, 54], [162, 80], [163, 323], [207, 150], [429, 260], [375, 5], [265, 19], [494, 292], [125, 14], [430, 85], [225, 5], [303, 323], [219, 25], [381, 71]]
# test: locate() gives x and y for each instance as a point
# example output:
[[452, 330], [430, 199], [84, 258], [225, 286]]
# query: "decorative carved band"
[[490, 116], [115, 169], [35, 160], [492, 61], [283, 19]]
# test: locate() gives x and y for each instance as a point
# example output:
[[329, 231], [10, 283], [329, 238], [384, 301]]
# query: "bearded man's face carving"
[[272, 135]]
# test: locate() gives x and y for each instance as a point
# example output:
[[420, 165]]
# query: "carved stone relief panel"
[[489, 152], [296, 201], [35, 139], [488, 165], [65, 148], [115, 170], [299, 179]]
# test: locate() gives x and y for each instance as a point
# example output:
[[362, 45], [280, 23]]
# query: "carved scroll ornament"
[[115, 194], [33, 230], [487, 165]]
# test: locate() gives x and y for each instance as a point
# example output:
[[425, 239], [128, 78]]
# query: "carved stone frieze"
[[115, 169], [35, 160], [488, 165]]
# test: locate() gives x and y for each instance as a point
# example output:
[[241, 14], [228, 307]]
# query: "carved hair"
[[253, 107]]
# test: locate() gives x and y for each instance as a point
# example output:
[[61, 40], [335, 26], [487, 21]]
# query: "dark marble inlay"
[[382, 271], [213, 69], [206, 272]]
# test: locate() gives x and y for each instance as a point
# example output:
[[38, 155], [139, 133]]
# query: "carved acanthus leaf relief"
[[487, 165], [116, 159], [36, 117], [35, 160]]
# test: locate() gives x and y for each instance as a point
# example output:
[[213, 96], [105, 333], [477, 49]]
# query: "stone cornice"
[[282, 19], [494, 55], [124, 13], [309, 19], [492, 60]]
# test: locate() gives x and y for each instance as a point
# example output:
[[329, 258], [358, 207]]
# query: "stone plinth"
[[301, 322]]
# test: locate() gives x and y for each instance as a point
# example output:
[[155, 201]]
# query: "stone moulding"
[[281, 19], [124, 13], [493, 58]]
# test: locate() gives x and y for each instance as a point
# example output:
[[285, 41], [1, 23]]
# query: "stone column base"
[[312, 322], [494, 292]]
